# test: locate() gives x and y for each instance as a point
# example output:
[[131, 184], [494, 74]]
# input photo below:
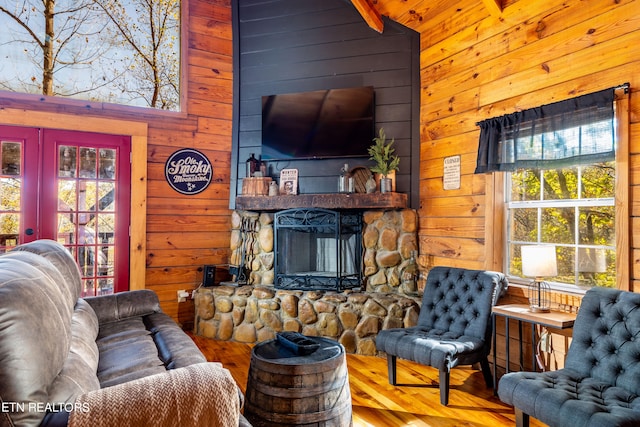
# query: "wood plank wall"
[[292, 46], [186, 232], [183, 232], [472, 65], [475, 66]]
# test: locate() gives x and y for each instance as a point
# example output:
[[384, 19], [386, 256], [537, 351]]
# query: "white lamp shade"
[[539, 261]]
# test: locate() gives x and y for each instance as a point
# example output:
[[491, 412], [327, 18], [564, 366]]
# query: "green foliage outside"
[[10, 208], [572, 208]]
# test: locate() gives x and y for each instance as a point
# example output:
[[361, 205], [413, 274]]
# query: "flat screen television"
[[320, 124]]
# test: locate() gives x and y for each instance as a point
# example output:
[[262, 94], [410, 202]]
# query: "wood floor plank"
[[415, 401]]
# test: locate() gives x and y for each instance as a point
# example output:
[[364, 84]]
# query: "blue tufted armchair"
[[600, 382], [454, 325]]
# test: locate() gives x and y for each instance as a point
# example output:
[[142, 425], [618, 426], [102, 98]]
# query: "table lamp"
[[539, 261]]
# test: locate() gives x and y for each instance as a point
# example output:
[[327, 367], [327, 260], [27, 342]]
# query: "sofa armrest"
[[204, 394], [115, 307]]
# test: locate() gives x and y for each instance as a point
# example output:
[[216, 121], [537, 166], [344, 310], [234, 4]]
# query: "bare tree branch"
[[23, 25], [108, 50]]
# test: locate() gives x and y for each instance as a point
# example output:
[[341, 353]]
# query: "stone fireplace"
[[257, 309], [368, 253]]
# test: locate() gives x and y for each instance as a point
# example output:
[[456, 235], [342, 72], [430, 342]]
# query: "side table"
[[287, 389], [522, 313]]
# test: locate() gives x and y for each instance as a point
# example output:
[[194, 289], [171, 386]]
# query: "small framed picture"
[[288, 181]]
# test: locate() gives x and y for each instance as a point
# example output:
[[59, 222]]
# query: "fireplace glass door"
[[318, 249]]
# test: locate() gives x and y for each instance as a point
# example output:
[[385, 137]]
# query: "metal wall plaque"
[[188, 171]]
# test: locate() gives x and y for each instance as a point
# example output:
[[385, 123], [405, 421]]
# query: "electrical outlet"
[[209, 275], [182, 295], [545, 341]]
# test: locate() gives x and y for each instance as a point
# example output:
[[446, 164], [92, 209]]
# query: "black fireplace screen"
[[318, 249]]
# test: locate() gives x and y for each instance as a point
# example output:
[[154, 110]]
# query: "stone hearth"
[[252, 314]]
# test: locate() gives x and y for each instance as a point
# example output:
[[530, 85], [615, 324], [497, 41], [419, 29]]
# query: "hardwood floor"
[[376, 403]]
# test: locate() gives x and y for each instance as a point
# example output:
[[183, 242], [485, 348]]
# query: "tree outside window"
[[572, 208], [116, 51], [562, 171]]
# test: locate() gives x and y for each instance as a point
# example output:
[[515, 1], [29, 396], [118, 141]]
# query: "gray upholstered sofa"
[[600, 383], [113, 360]]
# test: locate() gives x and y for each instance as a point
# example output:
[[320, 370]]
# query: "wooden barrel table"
[[284, 388]]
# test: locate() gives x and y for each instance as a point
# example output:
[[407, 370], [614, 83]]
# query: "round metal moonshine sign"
[[188, 171]]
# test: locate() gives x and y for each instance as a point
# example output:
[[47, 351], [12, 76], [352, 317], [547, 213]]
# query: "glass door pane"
[[18, 203], [11, 185], [91, 201]]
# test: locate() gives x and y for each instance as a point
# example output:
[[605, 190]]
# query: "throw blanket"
[[203, 394]]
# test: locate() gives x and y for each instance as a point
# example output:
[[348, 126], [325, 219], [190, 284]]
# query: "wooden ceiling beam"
[[370, 14], [494, 7]]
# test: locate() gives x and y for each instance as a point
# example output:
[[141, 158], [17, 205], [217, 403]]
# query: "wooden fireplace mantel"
[[389, 200]]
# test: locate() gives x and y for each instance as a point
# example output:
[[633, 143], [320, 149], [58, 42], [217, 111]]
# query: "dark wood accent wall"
[[285, 46]]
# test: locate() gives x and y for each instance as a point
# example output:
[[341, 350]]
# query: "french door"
[[73, 187]]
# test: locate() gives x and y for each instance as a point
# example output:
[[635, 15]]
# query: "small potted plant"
[[386, 162]]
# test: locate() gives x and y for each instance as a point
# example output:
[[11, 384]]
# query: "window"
[[123, 52], [571, 208], [565, 184]]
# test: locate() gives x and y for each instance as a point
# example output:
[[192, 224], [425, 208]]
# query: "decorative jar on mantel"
[[387, 183]]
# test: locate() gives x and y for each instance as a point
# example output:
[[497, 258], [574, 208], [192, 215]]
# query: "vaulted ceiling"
[[421, 15]]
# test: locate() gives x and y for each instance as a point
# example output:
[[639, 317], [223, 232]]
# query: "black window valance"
[[576, 131]]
